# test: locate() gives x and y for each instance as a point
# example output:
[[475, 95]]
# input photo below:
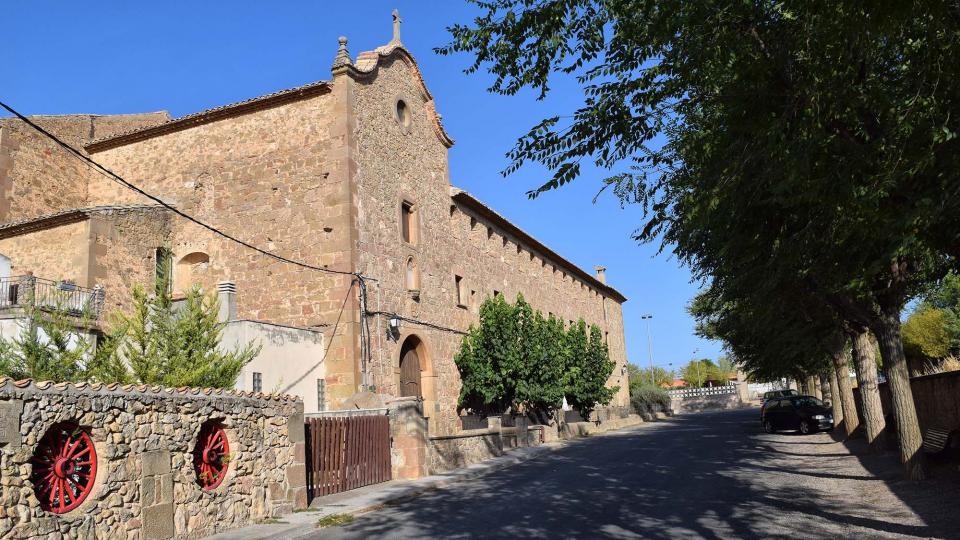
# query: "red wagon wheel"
[[64, 468], [211, 456]]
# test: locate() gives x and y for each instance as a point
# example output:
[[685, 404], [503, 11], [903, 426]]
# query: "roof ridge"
[[185, 391], [547, 252], [199, 117], [84, 210]]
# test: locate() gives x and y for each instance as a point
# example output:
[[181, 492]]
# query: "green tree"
[[153, 345], [49, 348], [516, 359], [657, 376], [179, 347], [543, 360], [926, 335], [698, 373], [588, 369], [489, 360], [805, 141]]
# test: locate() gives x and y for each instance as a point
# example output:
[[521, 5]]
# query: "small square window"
[[257, 382], [496, 293]]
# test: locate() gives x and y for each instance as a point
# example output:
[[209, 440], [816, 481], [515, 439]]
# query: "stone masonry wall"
[[275, 177], [123, 248], [397, 163], [38, 177], [59, 253], [146, 486]]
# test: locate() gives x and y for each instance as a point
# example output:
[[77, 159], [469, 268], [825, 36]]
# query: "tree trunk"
[[865, 364], [851, 420], [835, 399], [901, 396], [812, 389]]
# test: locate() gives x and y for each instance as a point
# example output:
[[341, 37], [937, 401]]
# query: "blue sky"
[[124, 57]]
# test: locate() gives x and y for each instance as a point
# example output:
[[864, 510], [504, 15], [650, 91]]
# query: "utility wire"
[[333, 334], [417, 321], [119, 179], [360, 278]]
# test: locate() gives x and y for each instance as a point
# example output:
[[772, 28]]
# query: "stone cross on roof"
[[396, 27]]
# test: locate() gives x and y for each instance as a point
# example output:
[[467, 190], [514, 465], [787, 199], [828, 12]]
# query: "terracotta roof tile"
[[205, 116]]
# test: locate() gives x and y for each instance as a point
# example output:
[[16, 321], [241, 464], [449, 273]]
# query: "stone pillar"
[[227, 296], [26, 289], [408, 436], [523, 432], [297, 470], [156, 495]]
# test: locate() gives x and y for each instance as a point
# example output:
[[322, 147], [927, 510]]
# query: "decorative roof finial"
[[343, 56], [396, 27]]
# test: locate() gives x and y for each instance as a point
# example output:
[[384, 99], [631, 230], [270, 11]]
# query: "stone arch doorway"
[[411, 365]]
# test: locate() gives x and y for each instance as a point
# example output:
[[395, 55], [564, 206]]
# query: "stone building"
[[349, 175]]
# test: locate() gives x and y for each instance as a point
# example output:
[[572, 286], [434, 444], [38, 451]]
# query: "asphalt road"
[[708, 475]]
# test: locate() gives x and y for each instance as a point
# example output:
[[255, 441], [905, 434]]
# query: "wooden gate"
[[345, 453]]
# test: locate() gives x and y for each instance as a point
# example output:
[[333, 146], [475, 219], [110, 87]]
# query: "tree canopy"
[[807, 157], [516, 359]]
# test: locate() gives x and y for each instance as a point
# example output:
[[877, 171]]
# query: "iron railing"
[[26, 291]]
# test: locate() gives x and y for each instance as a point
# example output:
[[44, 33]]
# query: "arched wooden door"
[[410, 372]]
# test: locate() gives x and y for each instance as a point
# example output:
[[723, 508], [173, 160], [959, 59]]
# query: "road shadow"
[[708, 475]]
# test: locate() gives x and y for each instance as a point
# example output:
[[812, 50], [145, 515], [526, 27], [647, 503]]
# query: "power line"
[[119, 179], [360, 278], [333, 334], [417, 321]]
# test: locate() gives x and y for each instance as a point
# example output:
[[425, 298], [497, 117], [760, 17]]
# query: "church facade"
[[348, 176]]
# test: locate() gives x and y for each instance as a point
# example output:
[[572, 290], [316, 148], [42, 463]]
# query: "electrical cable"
[[365, 353], [119, 179], [417, 321]]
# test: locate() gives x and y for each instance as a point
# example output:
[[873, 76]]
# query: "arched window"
[[411, 275], [190, 271]]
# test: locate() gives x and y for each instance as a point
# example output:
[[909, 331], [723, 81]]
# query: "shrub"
[[648, 400]]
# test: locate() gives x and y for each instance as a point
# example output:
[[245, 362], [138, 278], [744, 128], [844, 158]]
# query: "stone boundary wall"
[[936, 397], [466, 448], [415, 453], [718, 402], [146, 485]]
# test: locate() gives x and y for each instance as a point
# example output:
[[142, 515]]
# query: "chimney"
[[227, 295], [601, 274]]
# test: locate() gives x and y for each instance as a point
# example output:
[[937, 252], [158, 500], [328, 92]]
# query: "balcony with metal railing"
[[18, 292]]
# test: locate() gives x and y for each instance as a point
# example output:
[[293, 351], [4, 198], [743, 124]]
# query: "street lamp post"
[[694, 359], [649, 347]]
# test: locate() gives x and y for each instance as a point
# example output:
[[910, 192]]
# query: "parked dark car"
[[774, 394], [804, 413]]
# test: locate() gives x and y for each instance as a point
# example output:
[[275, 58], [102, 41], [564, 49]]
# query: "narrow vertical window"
[[458, 281], [257, 382], [408, 222], [321, 395]]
